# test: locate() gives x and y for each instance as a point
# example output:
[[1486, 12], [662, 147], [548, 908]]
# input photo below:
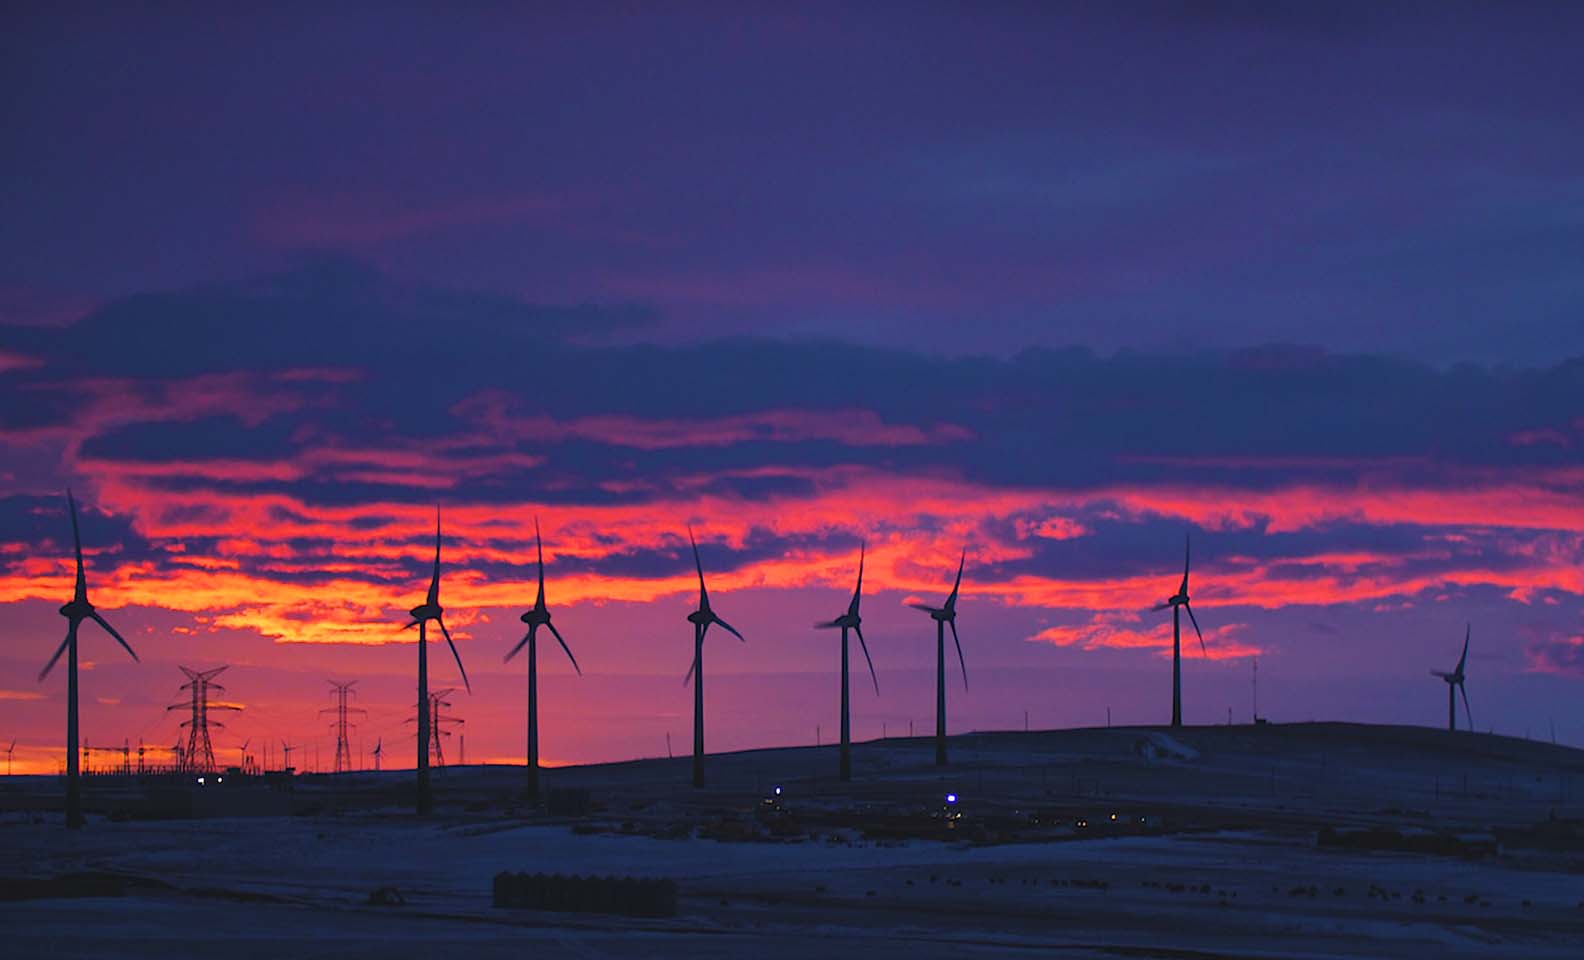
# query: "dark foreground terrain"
[[1313, 840]]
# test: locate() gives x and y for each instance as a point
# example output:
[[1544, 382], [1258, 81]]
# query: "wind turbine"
[[1454, 682], [701, 620], [538, 617], [429, 610], [9, 751], [243, 751], [1178, 603], [944, 616], [378, 750], [75, 612], [286, 750], [850, 621]]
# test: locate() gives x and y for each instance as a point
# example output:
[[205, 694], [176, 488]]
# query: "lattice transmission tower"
[[342, 692], [198, 757], [437, 722]]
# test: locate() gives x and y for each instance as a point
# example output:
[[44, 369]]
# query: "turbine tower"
[[199, 754], [944, 616], [1454, 682], [701, 619], [1178, 603], [538, 617], [850, 621], [379, 748], [429, 610], [75, 612]]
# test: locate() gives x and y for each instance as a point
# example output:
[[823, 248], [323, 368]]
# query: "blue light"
[[951, 798], [778, 791]]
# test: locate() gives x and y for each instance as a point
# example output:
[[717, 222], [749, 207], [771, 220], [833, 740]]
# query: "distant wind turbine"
[[379, 749], [944, 616], [9, 751], [1178, 604], [850, 621], [538, 617], [75, 612], [429, 610], [701, 619], [1454, 682]]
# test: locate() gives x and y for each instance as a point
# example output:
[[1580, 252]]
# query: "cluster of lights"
[[217, 780]]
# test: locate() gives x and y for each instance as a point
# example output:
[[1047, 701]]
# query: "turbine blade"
[[1202, 651], [521, 643], [1466, 713], [566, 648], [698, 565], [540, 544], [865, 648], [410, 625], [119, 639], [925, 607], [951, 601], [1467, 630], [688, 678], [1161, 606], [1186, 545], [454, 653], [434, 581], [729, 628], [58, 651], [818, 625], [858, 590], [81, 589], [960, 661]]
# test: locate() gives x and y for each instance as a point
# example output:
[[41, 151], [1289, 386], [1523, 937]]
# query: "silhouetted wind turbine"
[[75, 612], [944, 616], [429, 610], [379, 749], [538, 617], [1179, 603], [701, 620], [1454, 682], [850, 621], [9, 751]]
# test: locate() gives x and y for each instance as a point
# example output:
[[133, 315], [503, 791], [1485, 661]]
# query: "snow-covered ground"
[[1228, 865]]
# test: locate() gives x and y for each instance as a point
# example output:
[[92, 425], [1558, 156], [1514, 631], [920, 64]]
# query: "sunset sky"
[[1055, 286]]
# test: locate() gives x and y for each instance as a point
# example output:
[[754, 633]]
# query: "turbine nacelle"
[[943, 614], [77, 609], [537, 617], [425, 611], [849, 620]]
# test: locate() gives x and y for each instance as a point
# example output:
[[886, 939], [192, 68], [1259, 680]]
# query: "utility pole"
[[1256, 689], [199, 754], [342, 692]]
